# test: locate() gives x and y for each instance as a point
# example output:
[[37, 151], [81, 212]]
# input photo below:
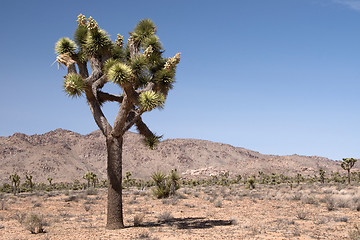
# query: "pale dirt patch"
[[268, 212]]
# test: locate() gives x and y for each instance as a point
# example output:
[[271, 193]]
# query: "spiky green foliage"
[[153, 41], [109, 63], [322, 175], [152, 141], [74, 85], [158, 177], [97, 42], [80, 35], [143, 30], [348, 163], [149, 100], [91, 178], [119, 73], [173, 181], [29, 181], [165, 186], [65, 45], [118, 52], [164, 79], [140, 70], [15, 181], [250, 183]]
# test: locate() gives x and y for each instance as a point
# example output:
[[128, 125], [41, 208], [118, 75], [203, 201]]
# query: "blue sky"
[[275, 76]]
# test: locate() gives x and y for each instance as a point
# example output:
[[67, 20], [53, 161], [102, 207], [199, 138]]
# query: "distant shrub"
[[138, 219], [354, 234], [302, 214], [250, 183], [165, 217], [165, 186], [91, 191], [34, 223], [218, 203], [3, 205], [330, 204]]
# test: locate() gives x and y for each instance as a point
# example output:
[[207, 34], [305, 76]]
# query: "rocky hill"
[[64, 156]]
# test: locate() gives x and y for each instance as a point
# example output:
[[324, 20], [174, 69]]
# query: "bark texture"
[[114, 171]]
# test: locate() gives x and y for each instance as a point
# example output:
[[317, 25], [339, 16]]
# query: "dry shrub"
[[302, 214], [138, 219], [343, 201], [3, 204], [218, 203], [165, 217], [354, 234], [34, 223]]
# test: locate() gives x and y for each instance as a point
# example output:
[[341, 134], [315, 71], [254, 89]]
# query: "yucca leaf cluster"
[[74, 85], [152, 141], [147, 66], [165, 186]]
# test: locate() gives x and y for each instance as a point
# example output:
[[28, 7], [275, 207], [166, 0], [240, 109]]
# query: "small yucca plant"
[[165, 186]]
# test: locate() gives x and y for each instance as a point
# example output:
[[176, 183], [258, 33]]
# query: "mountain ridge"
[[65, 155]]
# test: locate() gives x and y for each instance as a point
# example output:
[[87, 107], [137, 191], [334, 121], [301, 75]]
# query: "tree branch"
[[133, 117], [96, 73], [98, 115], [67, 61], [143, 128], [148, 87], [107, 97], [83, 71], [121, 117], [133, 47]]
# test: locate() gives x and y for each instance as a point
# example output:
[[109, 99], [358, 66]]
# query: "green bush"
[[165, 186]]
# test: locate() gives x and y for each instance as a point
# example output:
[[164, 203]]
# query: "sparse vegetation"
[[347, 164], [165, 186], [354, 234], [15, 182], [91, 178], [34, 223], [137, 68]]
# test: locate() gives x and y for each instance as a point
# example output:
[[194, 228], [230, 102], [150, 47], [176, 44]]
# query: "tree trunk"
[[114, 171], [349, 176]]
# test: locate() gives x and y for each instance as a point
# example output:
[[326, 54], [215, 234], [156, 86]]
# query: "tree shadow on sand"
[[189, 223]]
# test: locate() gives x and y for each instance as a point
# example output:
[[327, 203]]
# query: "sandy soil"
[[202, 212]]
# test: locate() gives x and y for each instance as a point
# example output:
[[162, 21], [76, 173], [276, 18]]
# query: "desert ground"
[[305, 211]]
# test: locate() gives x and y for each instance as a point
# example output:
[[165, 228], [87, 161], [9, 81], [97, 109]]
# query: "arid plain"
[[307, 211]]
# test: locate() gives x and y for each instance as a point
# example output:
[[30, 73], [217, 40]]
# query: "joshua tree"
[[128, 181], [29, 181], [347, 164], [15, 182], [91, 178], [50, 182], [322, 175], [173, 181], [138, 69], [250, 184]]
